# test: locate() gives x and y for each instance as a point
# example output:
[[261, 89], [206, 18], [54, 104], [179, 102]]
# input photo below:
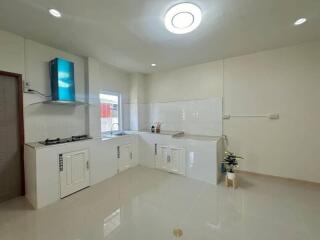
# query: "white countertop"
[[39, 145], [200, 137], [173, 134], [170, 133], [182, 135]]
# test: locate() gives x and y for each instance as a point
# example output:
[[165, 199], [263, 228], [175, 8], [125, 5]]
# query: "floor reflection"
[[111, 222]]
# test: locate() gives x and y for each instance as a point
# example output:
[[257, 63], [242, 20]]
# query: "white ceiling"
[[130, 34]]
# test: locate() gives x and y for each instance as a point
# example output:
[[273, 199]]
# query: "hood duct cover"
[[62, 80]]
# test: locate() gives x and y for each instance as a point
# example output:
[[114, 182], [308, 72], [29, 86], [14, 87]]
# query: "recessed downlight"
[[300, 21], [183, 18], [55, 13], [153, 65]]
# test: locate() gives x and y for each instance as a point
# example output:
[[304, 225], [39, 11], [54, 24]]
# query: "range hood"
[[62, 82]]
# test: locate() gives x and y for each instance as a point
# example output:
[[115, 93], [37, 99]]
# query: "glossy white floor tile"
[[146, 204]]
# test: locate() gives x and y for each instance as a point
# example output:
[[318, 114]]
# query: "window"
[[110, 113]]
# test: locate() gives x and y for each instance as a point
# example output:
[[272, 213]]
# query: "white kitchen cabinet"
[[42, 165], [125, 157], [42, 175], [147, 149], [170, 159], [196, 157], [201, 156], [104, 157], [162, 156], [74, 172], [177, 161], [204, 159]]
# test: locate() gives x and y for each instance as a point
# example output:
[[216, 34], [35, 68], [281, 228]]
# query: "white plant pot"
[[231, 175]]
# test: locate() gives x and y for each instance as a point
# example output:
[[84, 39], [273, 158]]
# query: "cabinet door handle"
[[155, 149], [168, 158], [88, 165], [131, 155], [60, 163], [118, 151]]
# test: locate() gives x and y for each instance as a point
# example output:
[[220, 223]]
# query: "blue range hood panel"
[[62, 80]]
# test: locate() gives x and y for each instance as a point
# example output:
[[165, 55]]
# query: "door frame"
[[18, 78]]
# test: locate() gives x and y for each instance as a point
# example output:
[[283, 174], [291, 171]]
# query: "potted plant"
[[228, 165]]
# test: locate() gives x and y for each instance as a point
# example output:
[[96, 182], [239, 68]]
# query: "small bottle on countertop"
[[152, 128], [158, 127]]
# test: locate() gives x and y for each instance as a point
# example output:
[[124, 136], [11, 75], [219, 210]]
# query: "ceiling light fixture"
[[300, 21], [183, 18], [55, 13], [153, 65]]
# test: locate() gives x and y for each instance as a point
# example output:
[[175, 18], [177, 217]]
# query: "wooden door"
[[11, 137], [74, 172]]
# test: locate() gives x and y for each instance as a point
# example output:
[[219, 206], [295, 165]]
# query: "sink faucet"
[[111, 131]]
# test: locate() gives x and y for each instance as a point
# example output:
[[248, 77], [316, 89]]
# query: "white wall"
[[103, 77], [30, 59], [44, 120], [284, 81], [137, 88], [11, 53], [138, 114], [185, 99], [194, 117], [196, 82]]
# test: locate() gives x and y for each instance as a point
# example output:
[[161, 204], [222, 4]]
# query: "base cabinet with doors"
[[53, 172], [74, 172], [84, 163], [196, 157], [125, 157], [147, 148], [170, 159]]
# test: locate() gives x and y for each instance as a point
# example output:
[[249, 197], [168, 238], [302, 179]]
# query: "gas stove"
[[64, 140]]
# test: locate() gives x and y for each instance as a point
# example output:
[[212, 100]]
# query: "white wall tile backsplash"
[[143, 113], [126, 118], [134, 117], [198, 117], [44, 121]]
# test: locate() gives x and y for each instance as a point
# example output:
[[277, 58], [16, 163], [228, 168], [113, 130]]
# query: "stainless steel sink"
[[114, 135], [119, 134]]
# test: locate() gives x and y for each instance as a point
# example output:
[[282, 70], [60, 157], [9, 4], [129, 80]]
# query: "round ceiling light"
[[183, 18], [55, 13]]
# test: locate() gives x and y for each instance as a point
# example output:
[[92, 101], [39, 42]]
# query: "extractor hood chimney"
[[62, 80]]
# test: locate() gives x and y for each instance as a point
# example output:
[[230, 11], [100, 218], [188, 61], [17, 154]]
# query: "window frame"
[[120, 114]]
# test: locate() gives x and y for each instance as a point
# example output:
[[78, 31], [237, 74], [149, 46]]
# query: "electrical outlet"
[[226, 116], [274, 116], [26, 86]]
